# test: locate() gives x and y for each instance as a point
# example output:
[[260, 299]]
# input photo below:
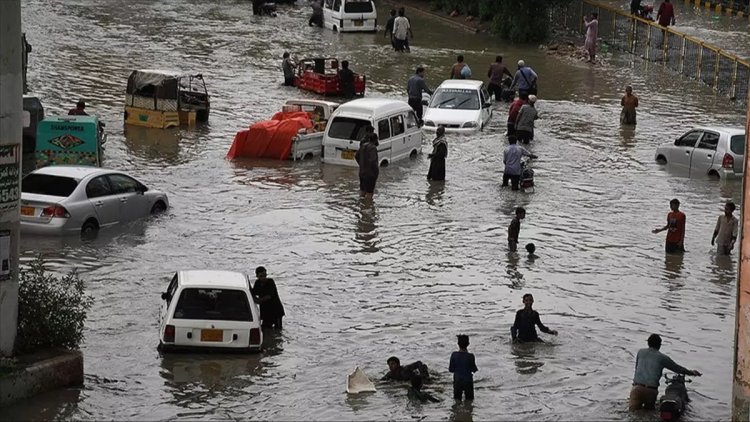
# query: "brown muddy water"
[[404, 275]]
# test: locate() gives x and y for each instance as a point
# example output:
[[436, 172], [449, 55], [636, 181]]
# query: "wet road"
[[405, 275]]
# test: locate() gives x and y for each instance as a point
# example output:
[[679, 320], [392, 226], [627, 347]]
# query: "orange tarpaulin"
[[270, 138]]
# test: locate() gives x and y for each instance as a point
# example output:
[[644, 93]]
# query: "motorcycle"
[[527, 176], [672, 404]]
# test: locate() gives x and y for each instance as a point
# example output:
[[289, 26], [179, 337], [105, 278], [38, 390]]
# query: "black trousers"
[[514, 179], [289, 81], [269, 323], [416, 105], [463, 387], [495, 89]]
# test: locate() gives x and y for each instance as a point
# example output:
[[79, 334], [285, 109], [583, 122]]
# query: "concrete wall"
[[44, 372], [11, 107], [741, 388]]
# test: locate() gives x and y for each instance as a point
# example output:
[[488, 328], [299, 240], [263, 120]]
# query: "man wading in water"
[[369, 163], [523, 328], [437, 157], [675, 242]]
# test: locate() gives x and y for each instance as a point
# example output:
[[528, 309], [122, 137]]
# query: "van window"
[[411, 120], [329, 4], [397, 125], [358, 6], [336, 5], [384, 129], [347, 128], [709, 140], [213, 304], [737, 144]]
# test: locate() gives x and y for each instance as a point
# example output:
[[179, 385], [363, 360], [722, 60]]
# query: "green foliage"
[[51, 310]]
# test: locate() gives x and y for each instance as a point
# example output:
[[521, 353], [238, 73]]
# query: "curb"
[[44, 373], [718, 7], [445, 20]]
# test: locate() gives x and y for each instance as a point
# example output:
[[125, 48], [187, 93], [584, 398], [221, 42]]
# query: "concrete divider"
[[41, 372]]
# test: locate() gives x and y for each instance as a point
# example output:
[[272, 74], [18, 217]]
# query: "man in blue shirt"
[[525, 79], [649, 364], [512, 160]]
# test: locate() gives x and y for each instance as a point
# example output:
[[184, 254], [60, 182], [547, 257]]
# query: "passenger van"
[[354, 16], [394, 122]]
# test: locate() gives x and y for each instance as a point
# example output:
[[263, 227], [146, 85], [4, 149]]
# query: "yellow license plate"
[[347, 155], [27, 211], [359, 23], [212, 335]]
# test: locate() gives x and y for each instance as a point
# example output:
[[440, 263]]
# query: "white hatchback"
[[461, 105], [712, 151], [209, 310]]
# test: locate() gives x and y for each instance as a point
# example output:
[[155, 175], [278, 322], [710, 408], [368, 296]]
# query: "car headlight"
[[469, 124], [429, 123]]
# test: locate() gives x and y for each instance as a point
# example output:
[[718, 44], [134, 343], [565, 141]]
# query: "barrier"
[[726, 73]]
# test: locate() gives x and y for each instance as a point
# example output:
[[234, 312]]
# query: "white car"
[[209, 310], [712, 151], [461, 105], [59, 200]]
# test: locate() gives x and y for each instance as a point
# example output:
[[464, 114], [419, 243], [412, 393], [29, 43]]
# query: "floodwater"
[[404, 275]]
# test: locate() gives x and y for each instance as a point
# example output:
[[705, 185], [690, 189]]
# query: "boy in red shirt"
[[675, 227]]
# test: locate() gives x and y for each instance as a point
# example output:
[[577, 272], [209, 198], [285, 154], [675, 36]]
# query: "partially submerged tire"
[[158, 208], [89, 229], [661, 159]]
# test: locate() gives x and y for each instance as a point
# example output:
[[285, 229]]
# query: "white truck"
[[309, 145]]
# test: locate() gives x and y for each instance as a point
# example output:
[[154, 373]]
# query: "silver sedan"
[[60, 200]]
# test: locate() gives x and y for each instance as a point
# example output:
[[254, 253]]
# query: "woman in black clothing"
[[265, 293], [437, 157]]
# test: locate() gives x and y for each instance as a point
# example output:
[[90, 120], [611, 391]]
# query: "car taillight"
[[666, 416], [254, 335], [55, 211], [727, 162], [169, 333]]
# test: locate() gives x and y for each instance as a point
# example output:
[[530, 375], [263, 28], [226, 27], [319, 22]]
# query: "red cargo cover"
[[270, 138]]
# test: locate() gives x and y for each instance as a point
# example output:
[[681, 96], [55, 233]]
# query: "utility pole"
[[741, 385], [11, 109]]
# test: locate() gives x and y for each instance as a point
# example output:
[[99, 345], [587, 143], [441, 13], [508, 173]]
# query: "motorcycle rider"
[[649, 364]]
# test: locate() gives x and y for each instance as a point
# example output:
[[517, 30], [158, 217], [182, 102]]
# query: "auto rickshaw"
[[69, 140], [163, 99]]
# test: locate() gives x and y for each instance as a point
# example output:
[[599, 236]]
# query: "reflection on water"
[[525, 357], [462, 412], [155, 145], [367, 230]]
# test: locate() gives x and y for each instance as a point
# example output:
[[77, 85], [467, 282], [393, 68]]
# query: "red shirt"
[[515, 107], [676, 227], [666, 14]]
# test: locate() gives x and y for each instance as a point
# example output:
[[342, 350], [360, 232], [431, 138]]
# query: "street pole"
[[741, 385], [11, 108]]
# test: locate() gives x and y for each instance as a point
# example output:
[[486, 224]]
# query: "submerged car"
[[206, 310], [60, 200], [712, 151], [461, 105]]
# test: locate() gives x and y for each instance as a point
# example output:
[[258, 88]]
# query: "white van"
[[354, 16], [394, 122]]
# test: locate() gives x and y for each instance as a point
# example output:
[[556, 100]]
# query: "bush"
[[51, 310]]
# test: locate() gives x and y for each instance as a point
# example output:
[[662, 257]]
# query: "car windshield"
[[45, 184], [347, 128], [457, 99], [358, 6], [737, 144], [213, 304]]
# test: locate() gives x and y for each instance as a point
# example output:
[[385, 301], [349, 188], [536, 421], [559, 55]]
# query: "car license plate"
[[212, 335], [359, 22], [347, 155], [27, 211]]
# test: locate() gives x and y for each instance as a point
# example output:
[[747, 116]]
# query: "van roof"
[[461, 83], [212, 278], [372, 107]]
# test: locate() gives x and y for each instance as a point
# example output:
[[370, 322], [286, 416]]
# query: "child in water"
[[463, 365], [530, 248]]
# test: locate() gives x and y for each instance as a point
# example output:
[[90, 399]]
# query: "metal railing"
[[726, 73]]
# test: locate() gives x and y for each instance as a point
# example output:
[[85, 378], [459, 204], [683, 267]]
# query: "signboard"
[[10, 156]]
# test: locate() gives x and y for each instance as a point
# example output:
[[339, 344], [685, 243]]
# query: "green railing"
[[726, 73]]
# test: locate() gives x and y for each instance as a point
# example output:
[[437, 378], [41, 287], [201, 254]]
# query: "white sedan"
[[58, 200], [209, 310], [461, 105]]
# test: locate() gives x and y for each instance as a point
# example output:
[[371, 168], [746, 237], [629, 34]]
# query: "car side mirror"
[[165, 296]]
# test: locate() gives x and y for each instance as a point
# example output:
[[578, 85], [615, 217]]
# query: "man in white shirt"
[[401, 29], [725, 233]]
